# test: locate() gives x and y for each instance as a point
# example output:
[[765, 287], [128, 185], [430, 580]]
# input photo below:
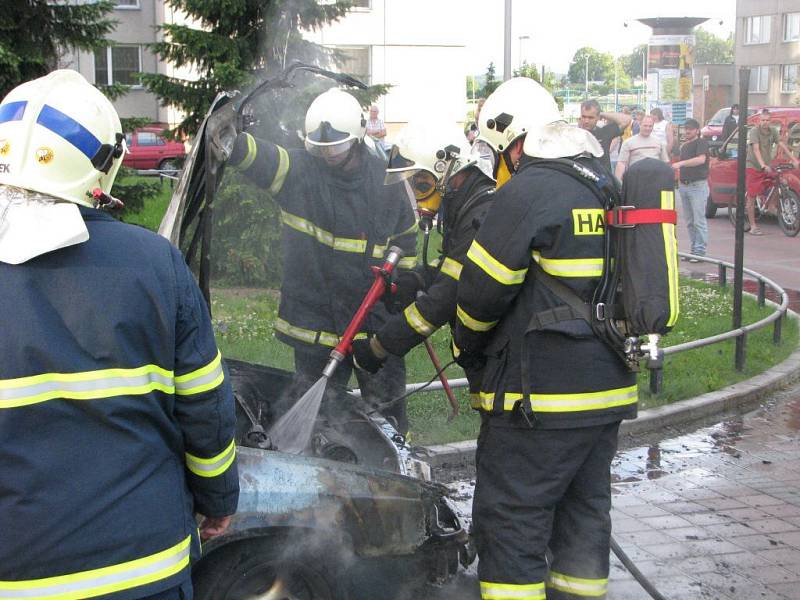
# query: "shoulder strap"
[[574, 308]]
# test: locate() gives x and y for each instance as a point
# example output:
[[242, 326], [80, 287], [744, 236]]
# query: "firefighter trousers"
[[540, 489], [387, 384]]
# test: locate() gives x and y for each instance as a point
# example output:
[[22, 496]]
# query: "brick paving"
[[714, 514]]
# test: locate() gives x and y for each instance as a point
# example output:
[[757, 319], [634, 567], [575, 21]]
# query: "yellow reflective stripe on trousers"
[[512, 591], [280, 172], [493, 267], [86, 385], [588, 588], [671, 256], [471, 323], [452, 268], [417, 322], [252, 151], [310, 336], [566, 402], [211, 467], [570, 267], [203, 379], [323, 237], [106, 580], [408, 262]]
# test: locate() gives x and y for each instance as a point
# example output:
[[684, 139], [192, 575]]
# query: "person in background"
[[627, 131], [693, 169], [643, 145], [615, 123], [117, 423], [376, 129], [662, 130], [762, 144], [638, 115], [731, 122], [473, 131]]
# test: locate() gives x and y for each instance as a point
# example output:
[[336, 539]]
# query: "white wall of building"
[[413, 48]]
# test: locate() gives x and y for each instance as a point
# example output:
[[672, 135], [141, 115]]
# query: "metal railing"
[[656, 374]]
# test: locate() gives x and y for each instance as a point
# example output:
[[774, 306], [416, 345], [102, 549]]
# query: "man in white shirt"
[[642, 145]]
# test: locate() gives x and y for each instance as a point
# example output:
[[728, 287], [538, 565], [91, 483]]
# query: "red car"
[[722, 167], [713, 129], [149, 149]]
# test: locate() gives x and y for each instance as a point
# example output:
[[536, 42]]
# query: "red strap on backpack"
[[628, 217]]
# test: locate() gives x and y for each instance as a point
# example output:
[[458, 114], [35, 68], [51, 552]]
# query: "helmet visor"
[[398, 161], [326, 134], [330, 151]]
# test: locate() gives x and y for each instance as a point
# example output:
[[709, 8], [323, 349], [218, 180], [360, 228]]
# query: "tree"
[[710, 48], [633, 64], [34, 33], [601, 66], [238, 42], [491, 82]]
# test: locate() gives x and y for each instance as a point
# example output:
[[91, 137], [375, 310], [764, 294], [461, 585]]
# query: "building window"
[[789, 78], [126, 3], [791, 27], [354, 60], [759, 79], [117, 64], [361, 4], [756, 29]]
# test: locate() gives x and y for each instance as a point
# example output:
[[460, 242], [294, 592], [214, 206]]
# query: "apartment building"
[[768, 41], [423, 58]]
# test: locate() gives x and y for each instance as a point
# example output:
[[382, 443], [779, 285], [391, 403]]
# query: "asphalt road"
[[773, 254]]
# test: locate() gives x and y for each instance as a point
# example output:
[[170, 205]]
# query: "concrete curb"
[[741, 396]]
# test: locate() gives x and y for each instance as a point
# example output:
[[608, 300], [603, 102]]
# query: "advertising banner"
[[669, 74]]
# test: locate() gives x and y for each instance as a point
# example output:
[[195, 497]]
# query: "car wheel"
[[169, 164], [732, 216], [711, 208], [789, 212], [272, 568]]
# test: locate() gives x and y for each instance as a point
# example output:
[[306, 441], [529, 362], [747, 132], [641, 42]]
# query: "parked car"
[[149, 149], [722, 167], [713, 129], [353, 516]]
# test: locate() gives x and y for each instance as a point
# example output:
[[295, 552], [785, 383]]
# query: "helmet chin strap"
[[349, 162]]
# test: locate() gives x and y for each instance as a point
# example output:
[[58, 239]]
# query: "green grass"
[[154, 208], [243, 318]]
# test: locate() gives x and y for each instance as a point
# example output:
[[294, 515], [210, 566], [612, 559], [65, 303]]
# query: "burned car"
[[355, 512]]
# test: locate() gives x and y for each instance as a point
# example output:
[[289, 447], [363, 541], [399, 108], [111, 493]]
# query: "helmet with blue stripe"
[[60, 136]]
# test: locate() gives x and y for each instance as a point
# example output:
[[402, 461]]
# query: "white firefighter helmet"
[[60, 136], [334, 124], [518, 106], [427, 153]]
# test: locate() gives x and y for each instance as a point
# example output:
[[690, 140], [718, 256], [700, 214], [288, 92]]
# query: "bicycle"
[[778, 199]]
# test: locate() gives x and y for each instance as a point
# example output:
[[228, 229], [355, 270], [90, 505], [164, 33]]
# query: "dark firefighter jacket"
[[336, 225], [464, 210], [116, 419], [563, 373]]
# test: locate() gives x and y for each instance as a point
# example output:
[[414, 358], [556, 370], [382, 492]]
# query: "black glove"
[[366, 355], [408, 284], [471, 361]]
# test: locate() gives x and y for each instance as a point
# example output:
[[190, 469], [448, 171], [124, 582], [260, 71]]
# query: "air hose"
[[634, 570]]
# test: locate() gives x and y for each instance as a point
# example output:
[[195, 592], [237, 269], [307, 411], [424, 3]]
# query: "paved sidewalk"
[[714, 514]]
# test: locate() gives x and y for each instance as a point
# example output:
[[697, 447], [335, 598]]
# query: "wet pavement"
[[709, 514]]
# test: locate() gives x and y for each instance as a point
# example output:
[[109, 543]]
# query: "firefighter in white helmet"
[[552, 393], [117, 419], [338, 221], [454, 181]]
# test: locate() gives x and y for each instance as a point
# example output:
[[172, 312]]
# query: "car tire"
[[711, 208], [170, 164], [789, 212], [277, 567]]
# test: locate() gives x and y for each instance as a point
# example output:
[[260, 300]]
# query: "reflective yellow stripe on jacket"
[[310, 336], [512, 591], [213, 466], [452, 268], [493, 267], [570, 267], [565, 402], [472, 323], [106, 580], [587, 588], [417, 322], [322, 236], [203, 379]]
